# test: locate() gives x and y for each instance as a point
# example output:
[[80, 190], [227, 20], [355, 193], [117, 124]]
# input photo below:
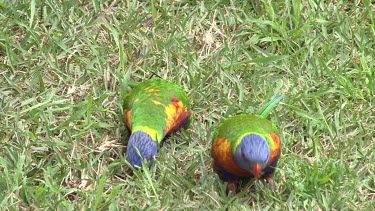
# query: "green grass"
[[64, 65]]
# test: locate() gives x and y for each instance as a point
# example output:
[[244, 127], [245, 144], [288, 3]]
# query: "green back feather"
[[149, 109], [235, 128]]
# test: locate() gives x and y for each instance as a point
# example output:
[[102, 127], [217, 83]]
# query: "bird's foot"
[[231, 187], [270, 182]]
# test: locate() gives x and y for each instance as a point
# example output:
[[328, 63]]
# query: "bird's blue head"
[[147, 149], [252, 154]]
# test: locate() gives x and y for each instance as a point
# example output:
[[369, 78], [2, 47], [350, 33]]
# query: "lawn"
[[65, 66]]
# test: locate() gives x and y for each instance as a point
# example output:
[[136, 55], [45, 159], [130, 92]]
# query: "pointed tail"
[[266, 108]]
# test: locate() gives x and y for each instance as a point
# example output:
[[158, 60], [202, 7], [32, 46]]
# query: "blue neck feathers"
[[141, 146]]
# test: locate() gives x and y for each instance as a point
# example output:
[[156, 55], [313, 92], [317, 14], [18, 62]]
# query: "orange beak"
[[256, 168]]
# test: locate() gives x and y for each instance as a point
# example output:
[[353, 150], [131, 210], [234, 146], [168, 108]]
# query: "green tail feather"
[[266, 108], [132, 84]]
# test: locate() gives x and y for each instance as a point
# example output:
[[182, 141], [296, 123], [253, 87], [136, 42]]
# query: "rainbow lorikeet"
[[152, 110], [246, 146]]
